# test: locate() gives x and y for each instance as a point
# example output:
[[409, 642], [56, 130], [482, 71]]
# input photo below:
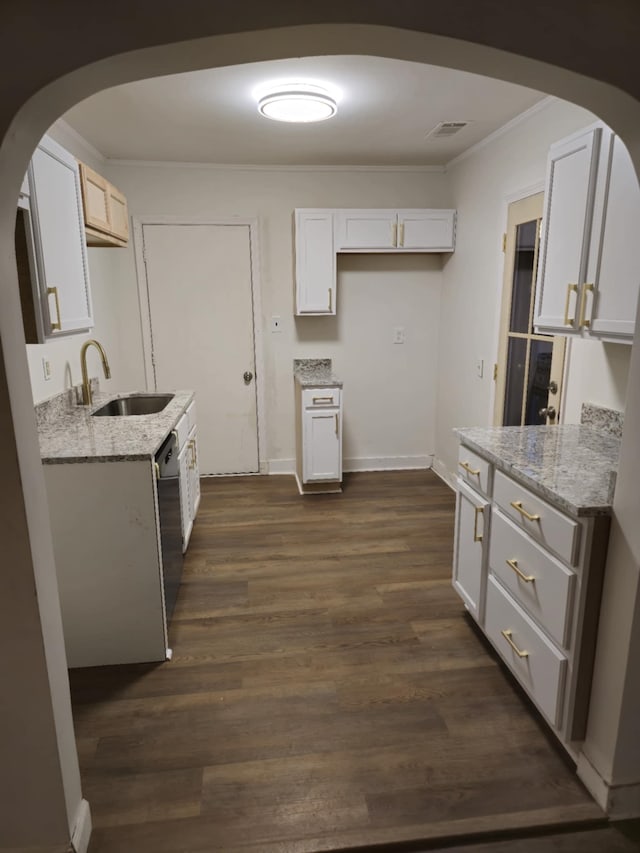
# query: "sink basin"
[[134, 404]]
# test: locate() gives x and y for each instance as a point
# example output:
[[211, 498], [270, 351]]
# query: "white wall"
[[373, 296], [63, 354], [481, 183]]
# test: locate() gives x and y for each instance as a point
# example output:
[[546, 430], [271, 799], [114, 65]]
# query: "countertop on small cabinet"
[[315, 373], [572, 465], [69, 433]]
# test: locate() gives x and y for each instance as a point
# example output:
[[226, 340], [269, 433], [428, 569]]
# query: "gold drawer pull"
[[507, 635], [583, 323], [513, 564], [336, 416], [322, 399], [467, 467], [330, 301], [477, 537], [402, 234], [518, 505], [571, 288], [54, 291]]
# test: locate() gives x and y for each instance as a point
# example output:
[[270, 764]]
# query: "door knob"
[[552, 387], [247, 376], [548, 412]]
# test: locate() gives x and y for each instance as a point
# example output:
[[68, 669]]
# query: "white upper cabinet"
[[321, 234], [587, 274], [58, 226], [395, 230], [315, 262]]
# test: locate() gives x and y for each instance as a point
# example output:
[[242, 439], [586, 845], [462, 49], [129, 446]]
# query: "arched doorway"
[[42, 93]]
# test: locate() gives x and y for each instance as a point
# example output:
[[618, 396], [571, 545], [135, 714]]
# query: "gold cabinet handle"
[[583, 323], [53, 291], [508, 635], [571, 288], [322, 399], [394, 234], [467, 467], [513, 564], [336, 416], [518, 505], [401, 242], [192, 446], [479, 510]]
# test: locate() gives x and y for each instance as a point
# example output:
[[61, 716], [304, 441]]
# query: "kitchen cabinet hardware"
[[513, 564], [322, 399], [330, 301], [394, 234], [583, 323], [523, 512], [474, 471], [508, 635], [569, 321], [53, 291], [401, 240], [477, 537]]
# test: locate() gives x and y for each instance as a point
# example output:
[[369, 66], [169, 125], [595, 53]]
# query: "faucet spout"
[[86, 385]]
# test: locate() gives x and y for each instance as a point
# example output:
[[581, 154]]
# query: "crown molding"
[[501, 131], [71, 133], [257, 167]]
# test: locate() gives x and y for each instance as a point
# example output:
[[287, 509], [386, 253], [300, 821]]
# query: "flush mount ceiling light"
[[297, 102]]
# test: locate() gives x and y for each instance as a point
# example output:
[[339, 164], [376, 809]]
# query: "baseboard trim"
[[281, 466], [443, 472], [619, 802], [387, 463], [82, 828]]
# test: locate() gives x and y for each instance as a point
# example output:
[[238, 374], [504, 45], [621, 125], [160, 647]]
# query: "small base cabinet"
[[187, 442], [531, 577], [319, 439]]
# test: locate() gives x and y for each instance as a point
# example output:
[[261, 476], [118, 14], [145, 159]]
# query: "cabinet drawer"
[[539, 582], [182, 430], [538, 665], [319, 398], [549, 526], [475, 471]]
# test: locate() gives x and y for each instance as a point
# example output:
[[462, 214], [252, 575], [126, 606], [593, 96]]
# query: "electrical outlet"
[[399, 335], [46, 369], [276, 324], [480, 368]]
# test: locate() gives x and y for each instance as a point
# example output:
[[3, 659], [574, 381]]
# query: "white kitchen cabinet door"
[[315, 262], [322, 445], [470, 548], [56, 203], [194, 475], [366, 230], [614, 299], [184, 459], [426, 230], [570, 187]]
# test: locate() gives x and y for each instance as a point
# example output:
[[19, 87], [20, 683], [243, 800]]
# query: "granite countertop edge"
[[75, 436], [559, 498]]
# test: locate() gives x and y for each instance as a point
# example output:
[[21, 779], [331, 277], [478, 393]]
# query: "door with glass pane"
[[529, 370]]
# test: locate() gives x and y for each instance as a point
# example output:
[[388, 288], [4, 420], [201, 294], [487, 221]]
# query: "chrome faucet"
[[86, 385]]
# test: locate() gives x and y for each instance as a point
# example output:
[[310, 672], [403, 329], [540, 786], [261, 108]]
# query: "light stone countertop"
[[572, 466], [68, 433], [315, 373]]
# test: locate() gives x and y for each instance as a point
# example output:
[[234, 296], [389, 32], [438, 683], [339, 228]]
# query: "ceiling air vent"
[[446, 129]]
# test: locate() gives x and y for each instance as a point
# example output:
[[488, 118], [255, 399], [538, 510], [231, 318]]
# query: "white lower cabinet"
[[194, 475], [187, 439], [319, 439], [531, 576]]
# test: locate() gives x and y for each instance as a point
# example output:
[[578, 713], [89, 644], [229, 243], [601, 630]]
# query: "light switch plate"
[[46, 369], [399, 336], [480, 368]]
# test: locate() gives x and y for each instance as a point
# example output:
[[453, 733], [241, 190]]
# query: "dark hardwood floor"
[[327, 691]]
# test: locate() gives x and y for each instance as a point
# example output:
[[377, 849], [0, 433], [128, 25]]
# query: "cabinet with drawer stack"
[[529, 559]]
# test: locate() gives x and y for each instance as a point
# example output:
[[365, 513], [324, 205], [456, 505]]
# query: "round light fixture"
[[297, 102]]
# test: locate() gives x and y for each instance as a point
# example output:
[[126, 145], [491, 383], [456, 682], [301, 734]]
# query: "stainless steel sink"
[[134, 404]]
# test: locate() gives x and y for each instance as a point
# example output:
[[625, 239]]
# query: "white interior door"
[[200, 296]]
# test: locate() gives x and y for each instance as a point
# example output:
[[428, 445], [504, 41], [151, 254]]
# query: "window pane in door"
[[523, 276], [538, 381], [514, 392]]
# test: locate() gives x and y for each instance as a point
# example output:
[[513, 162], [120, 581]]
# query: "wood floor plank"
[[327, 690]]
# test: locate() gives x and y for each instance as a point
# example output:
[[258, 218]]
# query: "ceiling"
[[386, 109]]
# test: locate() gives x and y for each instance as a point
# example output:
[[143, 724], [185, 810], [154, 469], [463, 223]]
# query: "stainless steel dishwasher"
[[168, 480]]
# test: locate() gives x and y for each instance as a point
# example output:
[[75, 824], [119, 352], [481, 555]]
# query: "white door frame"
[[145, 313]]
